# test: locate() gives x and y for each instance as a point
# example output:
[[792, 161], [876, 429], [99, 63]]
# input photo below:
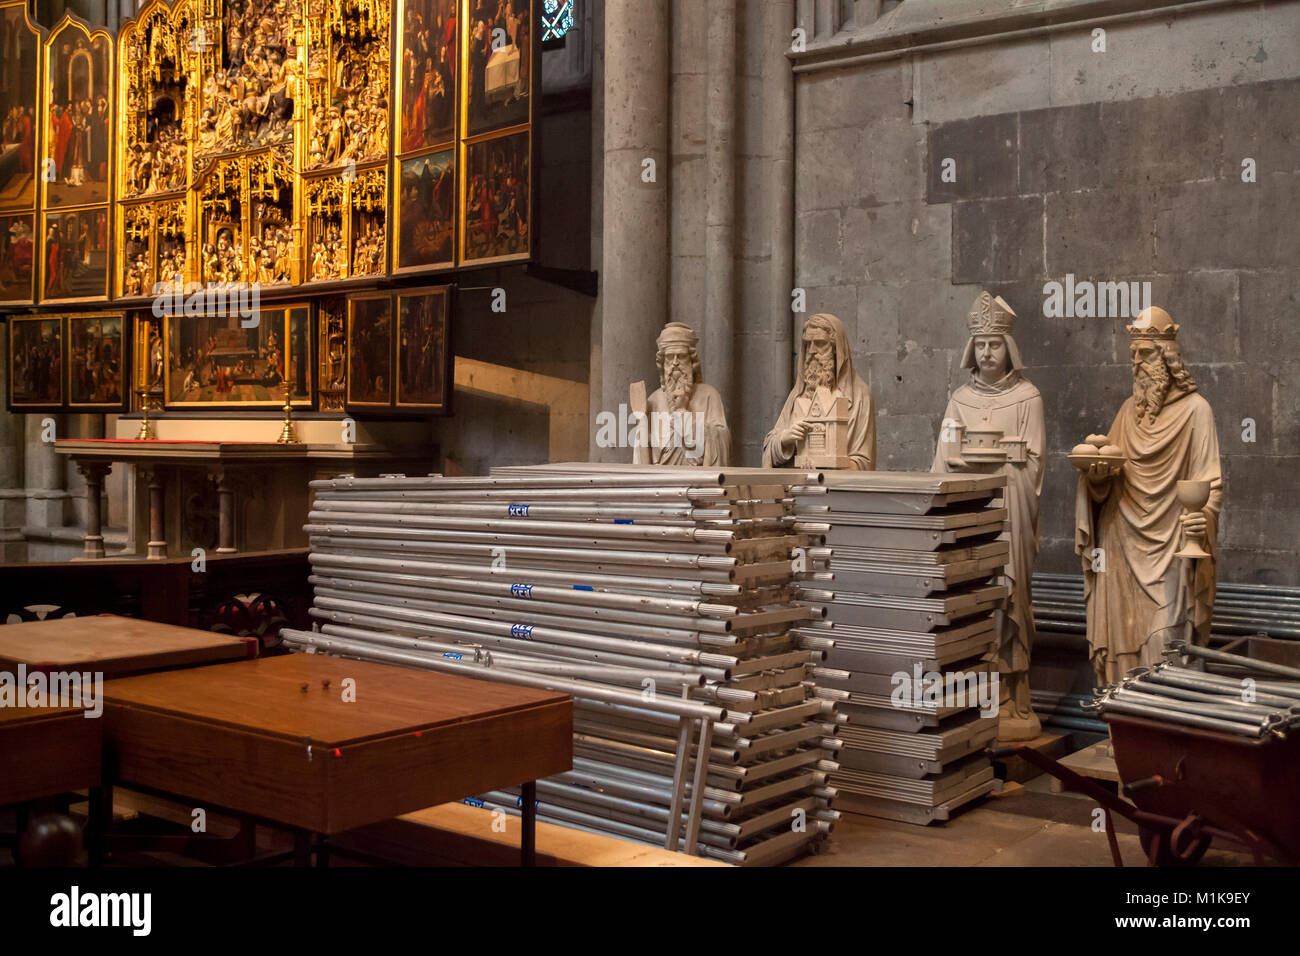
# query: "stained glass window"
[[557, 19]]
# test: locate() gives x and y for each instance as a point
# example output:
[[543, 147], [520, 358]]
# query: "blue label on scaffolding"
[[522, 630], [583, 587], [623, 521], [473, 801], [519, 802], [521, 590], [454, 657], [518, 511]]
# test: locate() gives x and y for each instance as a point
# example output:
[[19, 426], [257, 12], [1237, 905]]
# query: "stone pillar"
[[778, 104], [157, 547], [94, 472], [718, 323], [44, 477], [634, 237], [12, 499]]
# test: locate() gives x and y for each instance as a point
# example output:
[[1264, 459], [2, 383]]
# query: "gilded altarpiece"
[[20, 72], [76, 170]]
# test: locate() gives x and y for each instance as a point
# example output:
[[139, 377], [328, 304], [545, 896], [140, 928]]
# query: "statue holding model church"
[[995, 422], [682, 422], [1147, 510], [828, 420]]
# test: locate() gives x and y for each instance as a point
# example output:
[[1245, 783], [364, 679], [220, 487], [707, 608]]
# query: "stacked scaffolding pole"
[[665, 600], [909, 634]]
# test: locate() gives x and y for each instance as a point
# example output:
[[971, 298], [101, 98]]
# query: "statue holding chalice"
[[1147, 510]]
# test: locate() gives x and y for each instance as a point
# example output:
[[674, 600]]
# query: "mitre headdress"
[[990, 315]]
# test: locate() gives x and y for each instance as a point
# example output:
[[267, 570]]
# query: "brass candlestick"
[[146, 429], [288, 434]]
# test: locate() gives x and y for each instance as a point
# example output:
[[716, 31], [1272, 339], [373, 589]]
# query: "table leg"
[[98, 818], [322, 852], [302, 841], [528, 840]]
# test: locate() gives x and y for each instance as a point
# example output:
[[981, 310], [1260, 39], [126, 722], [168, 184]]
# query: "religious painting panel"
[[498, 64], [96, 368], [35, 362], [214, 360], [75, 255], [427, 86], [426, 220], [370, 350], [78, 115], [422, 352], [20, 50], [17, 258], [497, 199]]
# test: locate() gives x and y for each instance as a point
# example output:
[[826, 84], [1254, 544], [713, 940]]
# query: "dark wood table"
[[113, 646], [277, 740]]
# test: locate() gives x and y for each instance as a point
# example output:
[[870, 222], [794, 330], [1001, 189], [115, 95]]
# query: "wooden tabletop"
[[267, 696], [269, 738], [113, 645]]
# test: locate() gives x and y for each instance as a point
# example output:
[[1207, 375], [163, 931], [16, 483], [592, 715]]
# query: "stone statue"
[[1127, 514], [828, 420], [685, 423], [999, 399]]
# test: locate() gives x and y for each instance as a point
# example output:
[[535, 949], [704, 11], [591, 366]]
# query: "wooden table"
[[275, 739], [113, 646], [53, 750]]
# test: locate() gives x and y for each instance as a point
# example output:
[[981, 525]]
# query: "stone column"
[[778, 103], [633, 303], [718, 324], [12, 499], [94, 472]]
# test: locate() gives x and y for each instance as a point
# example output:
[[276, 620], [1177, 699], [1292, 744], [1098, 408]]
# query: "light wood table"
[[277, 739], [113, 646]]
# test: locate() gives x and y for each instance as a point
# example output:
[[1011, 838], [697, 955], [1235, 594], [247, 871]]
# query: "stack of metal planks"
[[910, 634], [663, 599]]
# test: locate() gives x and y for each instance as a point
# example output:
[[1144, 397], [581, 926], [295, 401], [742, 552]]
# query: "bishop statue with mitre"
[[998, 398]]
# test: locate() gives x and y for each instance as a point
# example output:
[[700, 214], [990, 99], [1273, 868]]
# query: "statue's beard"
[[1151, 382], [679, 385], [818, 372]]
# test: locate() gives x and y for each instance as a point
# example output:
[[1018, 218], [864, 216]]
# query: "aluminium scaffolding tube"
[[688, 711]]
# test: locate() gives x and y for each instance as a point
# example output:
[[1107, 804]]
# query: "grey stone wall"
[[1067, 162]]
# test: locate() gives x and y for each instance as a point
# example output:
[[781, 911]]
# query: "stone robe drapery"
[[1145, 592], [705, 437], [1014, 407], [862, 413]]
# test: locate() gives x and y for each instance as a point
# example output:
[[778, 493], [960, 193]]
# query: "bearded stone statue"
[[828, 406], [1128, 519], [684, 421]]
